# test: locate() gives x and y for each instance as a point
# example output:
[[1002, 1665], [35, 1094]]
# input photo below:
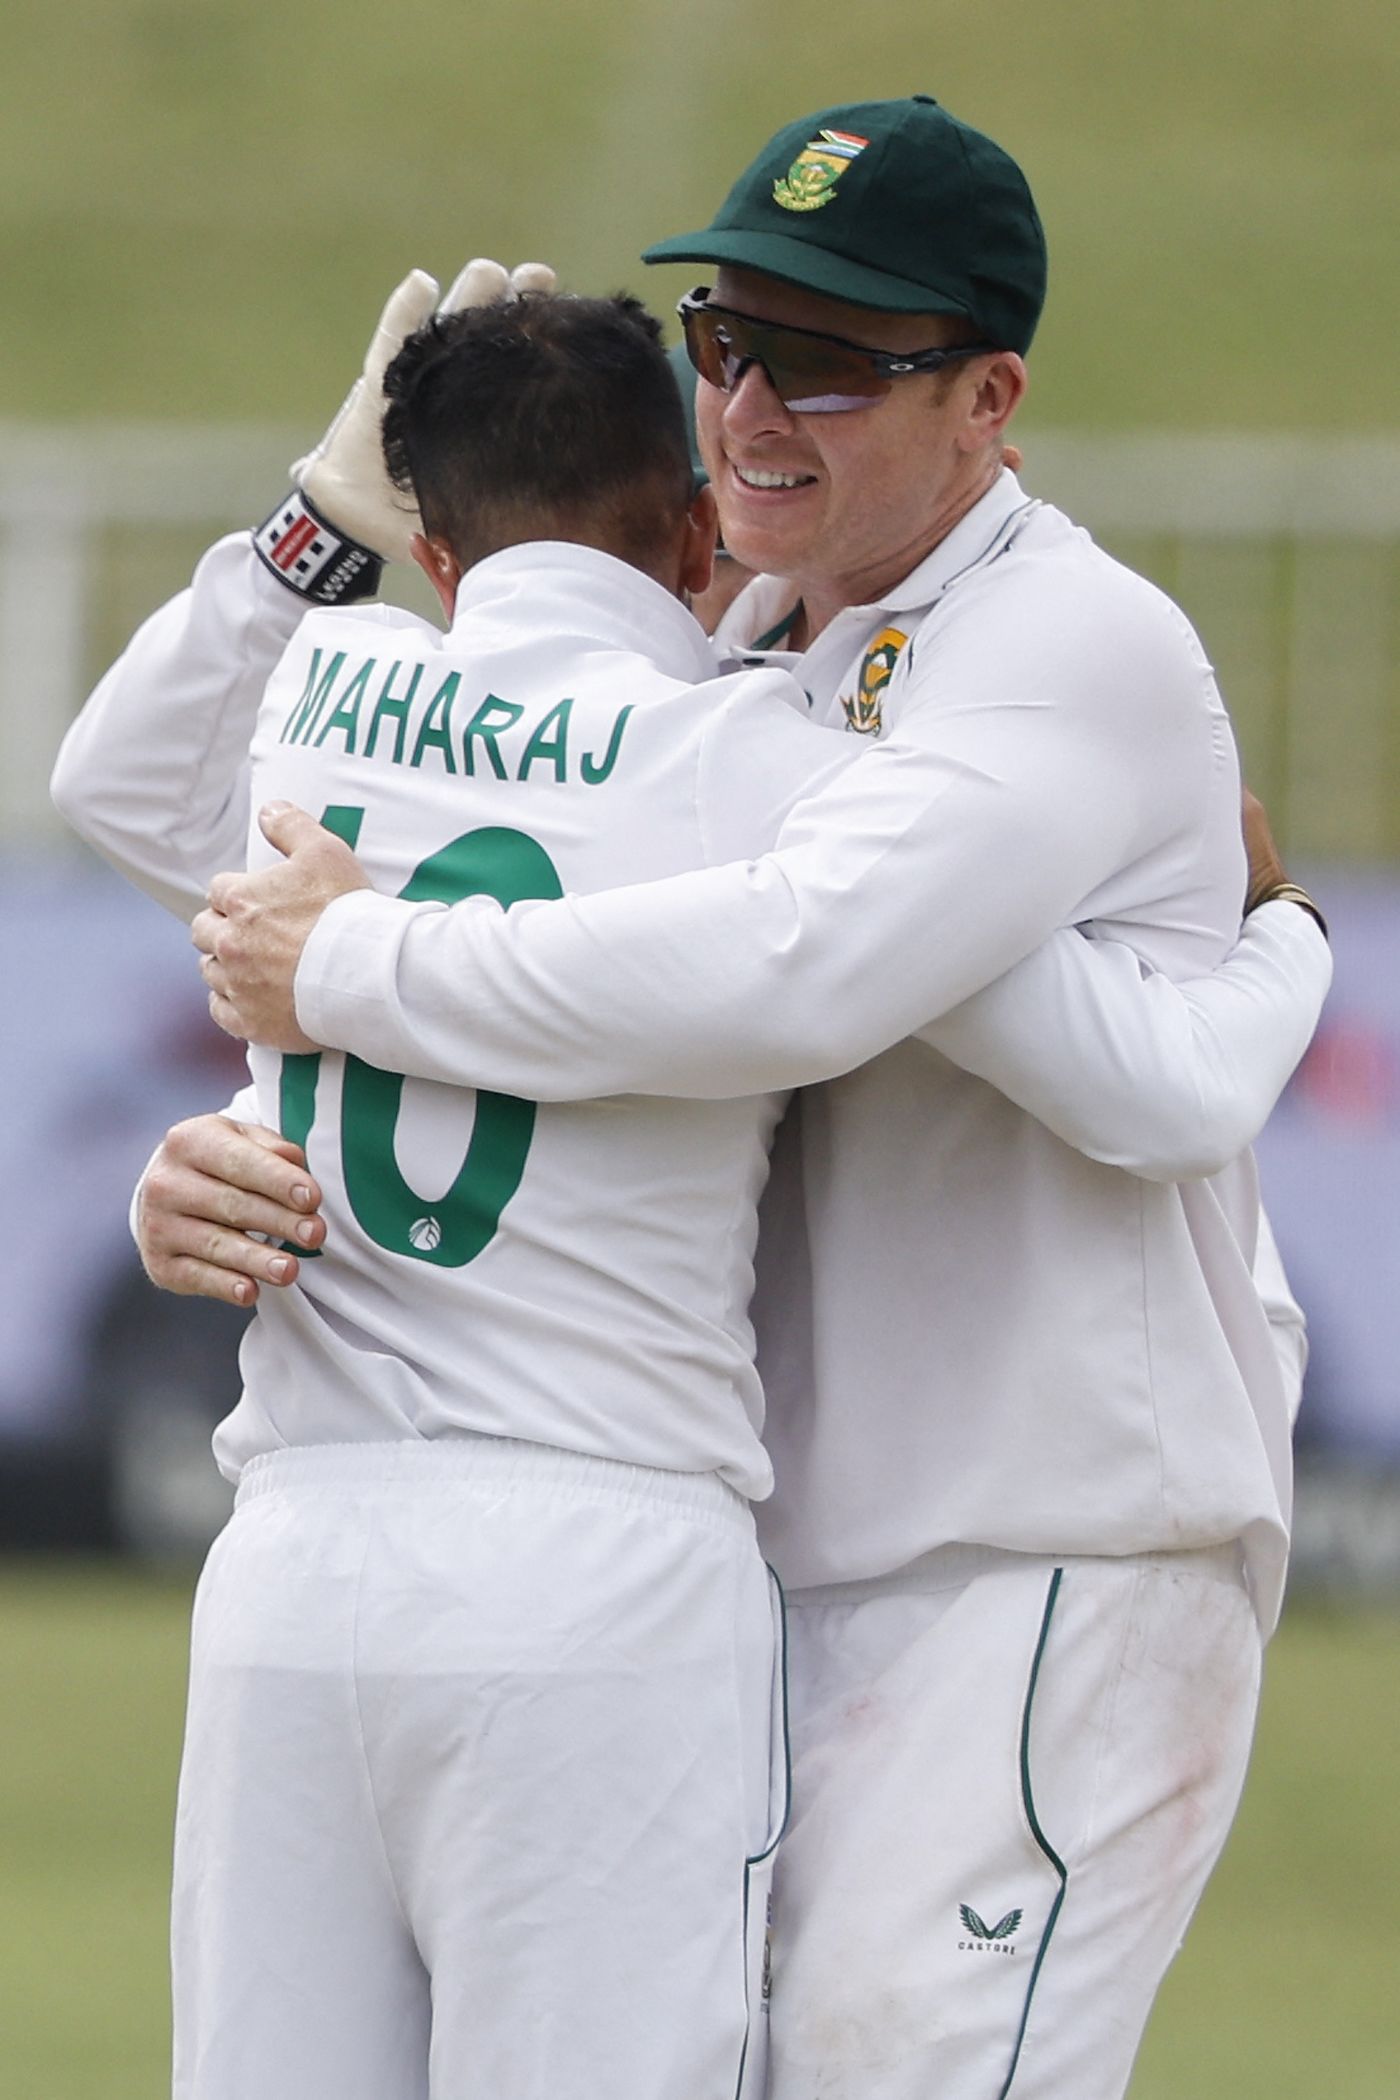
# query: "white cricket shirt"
[[1003, 1342], [1134, 1070], [575, 1274]]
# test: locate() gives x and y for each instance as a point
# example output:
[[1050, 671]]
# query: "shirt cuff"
[[344, 953], [1295, 935]]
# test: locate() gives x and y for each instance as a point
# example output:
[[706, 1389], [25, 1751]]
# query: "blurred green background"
[[201, 210], [202, 205]]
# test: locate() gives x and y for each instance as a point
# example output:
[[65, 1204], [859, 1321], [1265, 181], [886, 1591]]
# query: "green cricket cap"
[[893, 205]]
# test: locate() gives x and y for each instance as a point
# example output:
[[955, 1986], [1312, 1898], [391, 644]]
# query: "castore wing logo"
[[988, 1939]]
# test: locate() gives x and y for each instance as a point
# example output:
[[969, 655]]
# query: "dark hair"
[[548, 417]]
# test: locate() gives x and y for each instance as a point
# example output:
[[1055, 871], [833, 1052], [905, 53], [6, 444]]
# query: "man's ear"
[[440, 565], [698, 547], [1000, 388]]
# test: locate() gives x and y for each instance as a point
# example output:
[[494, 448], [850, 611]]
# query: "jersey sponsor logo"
[[864, 710], [988, 1939], [811, 180]]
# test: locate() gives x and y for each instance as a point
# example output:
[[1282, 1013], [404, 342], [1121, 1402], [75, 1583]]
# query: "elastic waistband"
[[953, 1567], [488, 1463]]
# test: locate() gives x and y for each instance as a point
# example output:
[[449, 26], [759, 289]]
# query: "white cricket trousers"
[[1011, 1779], [476, 1773]]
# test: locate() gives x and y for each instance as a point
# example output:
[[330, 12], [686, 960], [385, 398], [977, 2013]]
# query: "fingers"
[[224, 1014], [532, 277], [316, 867], [206, 924], [253, 932], [210, 1186], [222, 1010], [407, 308], [481, 283], [231, 1273], [251, 1166], [284, 826], [273, 1141]]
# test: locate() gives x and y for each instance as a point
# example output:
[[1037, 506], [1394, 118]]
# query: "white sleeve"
[[1167, 1080], [154, 772], [759, 757], [1040, 768], [1287, 1326]]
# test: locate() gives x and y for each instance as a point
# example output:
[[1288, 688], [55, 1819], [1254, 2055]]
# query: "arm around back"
[[1170, 1081], [1017, 791]]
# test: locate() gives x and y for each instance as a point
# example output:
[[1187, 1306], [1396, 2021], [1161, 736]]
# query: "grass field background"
[[1286, 1991], [201, 207]]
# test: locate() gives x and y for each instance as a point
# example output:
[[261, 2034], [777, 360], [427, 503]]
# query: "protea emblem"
[[811, 180], [1002, 1930], [864, 713]]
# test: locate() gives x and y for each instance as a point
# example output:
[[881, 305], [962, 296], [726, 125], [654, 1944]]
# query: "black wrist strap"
[[312, 558]]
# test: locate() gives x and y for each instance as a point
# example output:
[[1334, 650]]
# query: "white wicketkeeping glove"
[[344, 479], [345, 476]]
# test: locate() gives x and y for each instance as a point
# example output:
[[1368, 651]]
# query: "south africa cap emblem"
[[811, 180]]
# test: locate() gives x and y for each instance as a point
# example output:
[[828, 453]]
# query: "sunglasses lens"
[[807, 374], [706, 351], [819, 378]]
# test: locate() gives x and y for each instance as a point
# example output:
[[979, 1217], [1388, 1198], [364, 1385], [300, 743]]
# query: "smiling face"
[[846, 504]]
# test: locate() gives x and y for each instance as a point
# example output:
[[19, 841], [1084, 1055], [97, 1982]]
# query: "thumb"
[[408, 307], [288, 828]]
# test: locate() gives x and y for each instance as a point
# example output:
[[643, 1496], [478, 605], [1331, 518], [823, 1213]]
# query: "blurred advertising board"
[[108, 1389], [1330, 1166]]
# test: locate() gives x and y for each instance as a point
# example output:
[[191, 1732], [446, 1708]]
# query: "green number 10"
[[451, 1231]]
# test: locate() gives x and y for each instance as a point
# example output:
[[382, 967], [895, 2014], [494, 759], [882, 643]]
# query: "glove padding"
[[345, 476]]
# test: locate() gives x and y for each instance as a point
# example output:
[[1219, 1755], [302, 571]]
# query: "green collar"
[[780, 632]]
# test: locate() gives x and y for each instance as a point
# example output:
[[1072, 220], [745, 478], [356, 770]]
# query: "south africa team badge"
[[864, 712], [811, 180]]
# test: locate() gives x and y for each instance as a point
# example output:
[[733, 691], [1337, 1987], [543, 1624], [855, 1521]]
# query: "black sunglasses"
[[810, 373]]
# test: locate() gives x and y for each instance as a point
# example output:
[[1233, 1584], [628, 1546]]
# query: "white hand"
[[344, 476]]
